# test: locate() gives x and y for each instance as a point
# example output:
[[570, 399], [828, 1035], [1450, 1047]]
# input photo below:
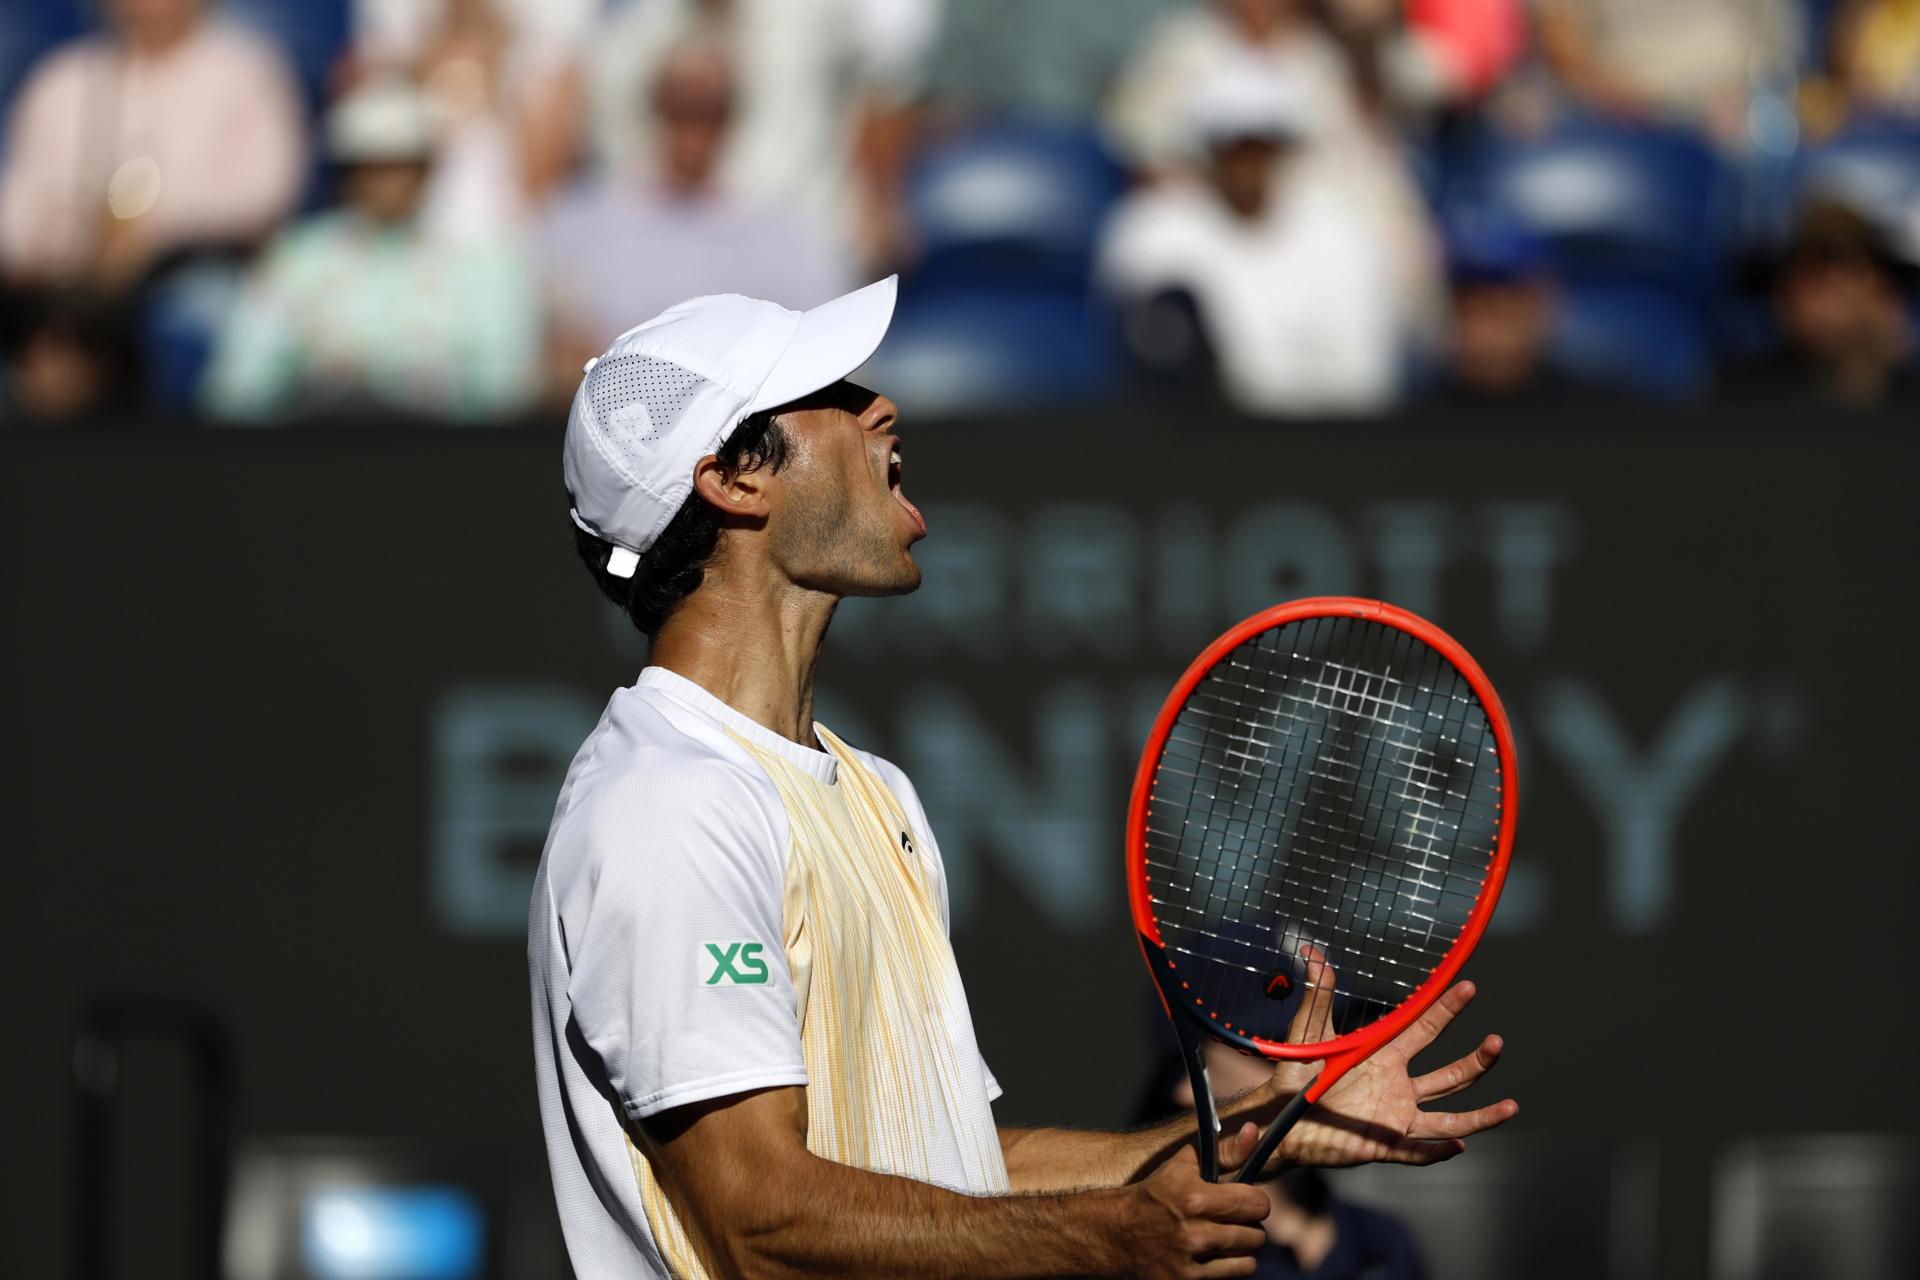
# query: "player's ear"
[[743, 495]]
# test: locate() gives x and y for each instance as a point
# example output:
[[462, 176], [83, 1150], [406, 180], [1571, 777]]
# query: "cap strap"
[[623, 560]]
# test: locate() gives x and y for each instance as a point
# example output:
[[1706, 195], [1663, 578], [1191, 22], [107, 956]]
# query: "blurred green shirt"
[[342, 311]]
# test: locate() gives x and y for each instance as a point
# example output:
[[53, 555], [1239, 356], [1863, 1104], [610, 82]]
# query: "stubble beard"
[[845, 550]]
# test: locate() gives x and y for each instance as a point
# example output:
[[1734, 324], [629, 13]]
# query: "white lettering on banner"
[[499, 754], [1046, 821], [1284, 550], [1639, 796], [1083, 588], [1526, 541], [1090, 583], [1043, 801], [1182, 582], [1413, 542], [1102, 580]]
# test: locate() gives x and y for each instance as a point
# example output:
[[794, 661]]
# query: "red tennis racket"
[[1327, 799]]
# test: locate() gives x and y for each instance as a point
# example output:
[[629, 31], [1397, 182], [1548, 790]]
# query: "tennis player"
[[754, 1051]]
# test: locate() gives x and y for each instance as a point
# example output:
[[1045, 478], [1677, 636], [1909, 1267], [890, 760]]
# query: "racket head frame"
[[1342, 1053]]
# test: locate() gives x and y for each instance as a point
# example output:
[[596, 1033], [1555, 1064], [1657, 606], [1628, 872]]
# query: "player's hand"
[[1374, 1112], [1184, 1226]]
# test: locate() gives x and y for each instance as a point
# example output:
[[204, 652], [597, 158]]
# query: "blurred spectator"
[[169, 133], [1501, 319], [824, 97], [1465, 47], [68, 356], [1017, 58], [1312, 1234], [1346, 139], [1874, 51], [1843, 301], [1699, 62], [505, 81], [1358, 62], [1296, 296], [361, 306], [1148, 117], [623, 248]]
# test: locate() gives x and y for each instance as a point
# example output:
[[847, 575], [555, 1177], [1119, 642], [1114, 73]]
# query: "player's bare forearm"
[[761, 1205], [838, 1220], [1066, 1159]]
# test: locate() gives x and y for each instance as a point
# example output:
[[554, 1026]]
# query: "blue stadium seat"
[[959, 351], [311, 33], [1614, 203], [1015, 202], [1637, 224], [1874, 166], [176, 324], [28, 28], [996, 312], [1634, 337]]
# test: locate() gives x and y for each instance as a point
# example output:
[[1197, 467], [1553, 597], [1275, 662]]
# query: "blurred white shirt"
[[1300, 304], [1146, 119], [203, 144], [618, 251], [802, 69]]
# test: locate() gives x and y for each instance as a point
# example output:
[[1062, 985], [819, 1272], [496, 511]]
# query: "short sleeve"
[[677, 972]]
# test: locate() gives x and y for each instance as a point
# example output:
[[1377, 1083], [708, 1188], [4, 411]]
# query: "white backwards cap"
[[667, 393]]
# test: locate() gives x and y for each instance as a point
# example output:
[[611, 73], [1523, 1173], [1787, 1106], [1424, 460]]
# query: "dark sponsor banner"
[[288, 713]]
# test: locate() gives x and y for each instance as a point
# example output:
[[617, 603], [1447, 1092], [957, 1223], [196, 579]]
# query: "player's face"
[[841, 522]]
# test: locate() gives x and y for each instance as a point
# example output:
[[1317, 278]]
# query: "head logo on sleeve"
[[732, 964]]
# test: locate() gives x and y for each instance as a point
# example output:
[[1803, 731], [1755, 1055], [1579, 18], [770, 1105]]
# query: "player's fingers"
[[1459, 1073], [1424, 1152], [1237, 1146], [1435, 1020], [1232, 1202], [1313, 1020], [1221, 1240], [1462, 1124], [1225, 1268]]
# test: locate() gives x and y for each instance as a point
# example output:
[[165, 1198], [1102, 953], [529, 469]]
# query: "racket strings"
[[1330, 790]]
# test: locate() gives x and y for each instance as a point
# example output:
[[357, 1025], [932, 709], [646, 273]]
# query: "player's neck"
[[752, 646]]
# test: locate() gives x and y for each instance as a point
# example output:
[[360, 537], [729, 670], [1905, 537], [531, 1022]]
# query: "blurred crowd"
[[262, 210]]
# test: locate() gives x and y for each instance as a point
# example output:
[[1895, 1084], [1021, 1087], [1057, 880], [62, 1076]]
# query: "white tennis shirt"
[[719, 910]]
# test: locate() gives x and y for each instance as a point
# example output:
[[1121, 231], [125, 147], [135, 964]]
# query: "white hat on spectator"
[[1250, 97], [668, 392], [385, 121]]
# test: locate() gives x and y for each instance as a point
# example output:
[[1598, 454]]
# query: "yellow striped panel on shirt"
[[879, 996]]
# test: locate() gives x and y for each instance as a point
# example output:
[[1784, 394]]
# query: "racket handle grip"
[[1270, 1140]]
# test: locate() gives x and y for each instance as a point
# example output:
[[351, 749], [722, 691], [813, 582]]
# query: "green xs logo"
[[734, 963]]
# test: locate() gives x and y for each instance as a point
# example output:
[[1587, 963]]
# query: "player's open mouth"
[[894, 471]]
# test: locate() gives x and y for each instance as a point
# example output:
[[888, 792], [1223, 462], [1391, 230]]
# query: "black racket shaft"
[[1193, 1042], [1270, 1140]]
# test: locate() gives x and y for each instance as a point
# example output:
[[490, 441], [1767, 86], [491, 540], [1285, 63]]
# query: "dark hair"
[[672, 568]]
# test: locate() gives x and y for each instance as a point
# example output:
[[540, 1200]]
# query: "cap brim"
[[832, 340]]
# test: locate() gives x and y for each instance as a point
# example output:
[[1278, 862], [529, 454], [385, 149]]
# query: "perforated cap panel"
[[636, 400]]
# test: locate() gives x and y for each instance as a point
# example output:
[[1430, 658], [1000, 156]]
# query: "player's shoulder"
[[655, 784], [653, 744]]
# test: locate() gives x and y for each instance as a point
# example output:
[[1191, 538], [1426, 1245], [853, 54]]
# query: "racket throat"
[[1282, 1125], [1206, 1113]]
